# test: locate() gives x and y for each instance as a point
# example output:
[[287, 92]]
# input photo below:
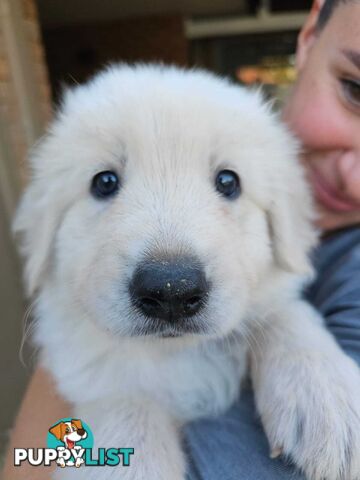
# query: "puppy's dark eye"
[[227, 183], [105, 184]]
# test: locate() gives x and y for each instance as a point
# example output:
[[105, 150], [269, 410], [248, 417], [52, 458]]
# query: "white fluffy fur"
[[167, 132]]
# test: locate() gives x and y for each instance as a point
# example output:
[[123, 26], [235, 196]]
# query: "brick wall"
[[9, 107], [20, 39], [38, 60]]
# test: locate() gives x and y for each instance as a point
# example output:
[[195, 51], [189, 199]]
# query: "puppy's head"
[[160, 200]]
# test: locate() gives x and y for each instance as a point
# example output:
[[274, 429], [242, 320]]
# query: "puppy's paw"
[[310, 409]]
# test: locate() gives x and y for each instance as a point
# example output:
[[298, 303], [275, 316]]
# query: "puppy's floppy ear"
[[43, 203], [37, 229], [290, 218], [57, 430], [38, 215]]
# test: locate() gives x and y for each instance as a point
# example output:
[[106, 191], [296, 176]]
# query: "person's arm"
[[41, 407]]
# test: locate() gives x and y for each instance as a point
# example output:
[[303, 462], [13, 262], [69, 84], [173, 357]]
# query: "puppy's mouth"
[[156, 327]]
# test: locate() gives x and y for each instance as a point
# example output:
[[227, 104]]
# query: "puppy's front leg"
[[307, 392], [132, 423]]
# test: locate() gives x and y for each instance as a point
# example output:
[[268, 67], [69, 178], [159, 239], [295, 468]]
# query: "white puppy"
[[166, 222]]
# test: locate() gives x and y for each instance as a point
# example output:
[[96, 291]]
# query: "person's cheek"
[[317, 117], [349, 171], [320, 125]]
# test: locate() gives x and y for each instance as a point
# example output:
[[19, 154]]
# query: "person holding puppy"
[[324, 112]]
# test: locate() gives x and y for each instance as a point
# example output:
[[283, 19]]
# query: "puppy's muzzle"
[[169, 289]]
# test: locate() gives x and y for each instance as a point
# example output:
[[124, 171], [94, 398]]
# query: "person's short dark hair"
[[327, 10]]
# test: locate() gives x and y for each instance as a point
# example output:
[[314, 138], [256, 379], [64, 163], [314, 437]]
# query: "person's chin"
[[329, 220], [333, 209]]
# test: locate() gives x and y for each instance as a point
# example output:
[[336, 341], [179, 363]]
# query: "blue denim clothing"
[[234, 446]]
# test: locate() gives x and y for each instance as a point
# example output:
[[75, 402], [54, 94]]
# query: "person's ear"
[[308, 34]]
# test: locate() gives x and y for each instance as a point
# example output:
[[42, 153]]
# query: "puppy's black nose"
[[169, 289]]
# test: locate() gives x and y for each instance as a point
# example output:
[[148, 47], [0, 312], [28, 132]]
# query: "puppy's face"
[[160, 201]]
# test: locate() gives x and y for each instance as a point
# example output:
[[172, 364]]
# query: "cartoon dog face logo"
[[69, 432]]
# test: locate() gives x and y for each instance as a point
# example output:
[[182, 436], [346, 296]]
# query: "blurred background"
[[46, 45]]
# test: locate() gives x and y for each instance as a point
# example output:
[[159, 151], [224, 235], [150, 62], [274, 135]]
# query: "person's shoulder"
[[337, 264], [340, 248]]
